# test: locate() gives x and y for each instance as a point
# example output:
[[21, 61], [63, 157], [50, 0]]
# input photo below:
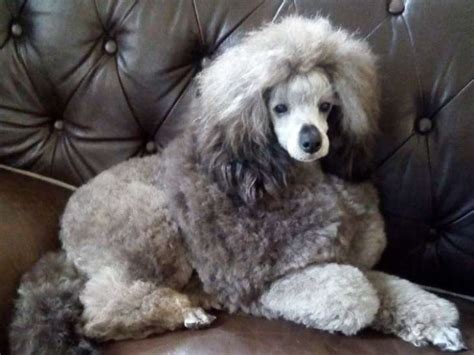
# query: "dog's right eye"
[[325, 107], [280, 108]]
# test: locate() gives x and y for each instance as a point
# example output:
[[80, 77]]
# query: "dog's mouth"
[[308, 158]]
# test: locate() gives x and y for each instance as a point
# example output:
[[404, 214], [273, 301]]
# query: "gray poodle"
[[238, 213]]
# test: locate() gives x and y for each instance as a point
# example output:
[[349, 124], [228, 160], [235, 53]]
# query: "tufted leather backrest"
[[87, 84]]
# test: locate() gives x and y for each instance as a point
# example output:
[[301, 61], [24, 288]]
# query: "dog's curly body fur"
[[188, 223], [225, 218]]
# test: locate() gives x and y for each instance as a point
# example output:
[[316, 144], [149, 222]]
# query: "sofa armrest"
[[30, 208]]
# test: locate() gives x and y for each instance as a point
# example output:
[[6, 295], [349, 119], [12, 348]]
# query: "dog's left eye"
[[325, 107], [280, 108]]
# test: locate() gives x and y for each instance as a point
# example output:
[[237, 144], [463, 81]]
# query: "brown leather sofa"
[[87, 84]]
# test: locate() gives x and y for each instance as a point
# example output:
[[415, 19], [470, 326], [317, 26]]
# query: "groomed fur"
[[311, 222], [224, 218]]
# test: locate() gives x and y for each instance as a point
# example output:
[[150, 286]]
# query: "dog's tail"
[[48, 310]]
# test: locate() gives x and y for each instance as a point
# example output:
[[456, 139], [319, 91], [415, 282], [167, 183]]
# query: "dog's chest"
[[238, 250]]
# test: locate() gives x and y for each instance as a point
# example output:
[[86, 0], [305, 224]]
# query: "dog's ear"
[[236, 142], [353, 121], [241, 153]]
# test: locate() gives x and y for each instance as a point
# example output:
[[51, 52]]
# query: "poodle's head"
[[292, 92]]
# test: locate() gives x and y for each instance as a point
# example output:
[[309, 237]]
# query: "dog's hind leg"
[[116, 307], [329, 297], [414, 314]]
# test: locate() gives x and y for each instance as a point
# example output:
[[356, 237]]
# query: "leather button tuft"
[[150, 147], [396, 7], [205, 61], [425, 125], [110, 46], [59, 125], [16, 30], [432, 235]]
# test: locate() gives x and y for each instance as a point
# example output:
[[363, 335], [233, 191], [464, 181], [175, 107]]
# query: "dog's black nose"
[[310, 139]]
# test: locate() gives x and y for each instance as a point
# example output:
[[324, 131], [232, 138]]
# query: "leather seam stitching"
[[448, 101], [377, 26], [173, 105], [98, 16], [458, 248], [277, 13], [125, 17], [415, 62], [125, 95], [458, 219], [71, 161], [35, 89], [239, 23], [198, 23], [37, 176], [430, 174], [393, 152], [81, 81]]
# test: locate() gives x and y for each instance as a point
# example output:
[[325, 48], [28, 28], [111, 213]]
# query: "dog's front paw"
[[197, 318], [446, 338]]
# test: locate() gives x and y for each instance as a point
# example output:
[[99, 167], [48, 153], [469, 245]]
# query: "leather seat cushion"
[[236, 334], [29, 220]]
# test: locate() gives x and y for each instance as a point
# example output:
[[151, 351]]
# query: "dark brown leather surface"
[[244, 335], [29, 220]]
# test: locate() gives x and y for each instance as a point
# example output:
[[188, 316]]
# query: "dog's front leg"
[[118, 307], [331, 297], [414, 314]]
